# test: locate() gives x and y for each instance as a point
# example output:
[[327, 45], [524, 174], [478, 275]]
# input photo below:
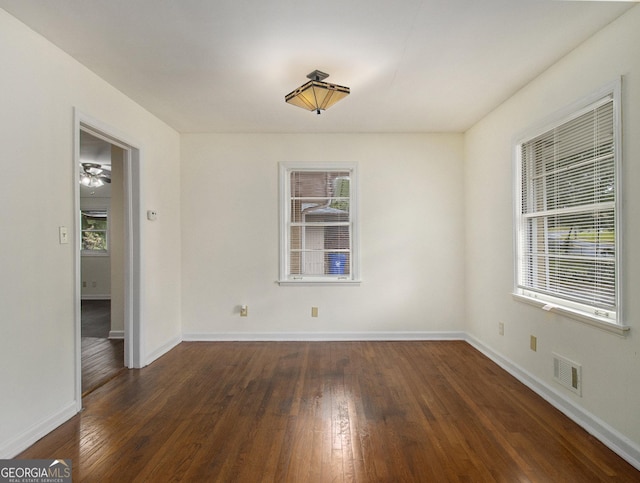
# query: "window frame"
[[285, 277], [96, 253], [610, 320]]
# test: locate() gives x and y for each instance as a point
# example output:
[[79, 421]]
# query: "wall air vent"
[[567, 373]]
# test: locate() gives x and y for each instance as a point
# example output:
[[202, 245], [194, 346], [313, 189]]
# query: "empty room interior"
[[356, 241]]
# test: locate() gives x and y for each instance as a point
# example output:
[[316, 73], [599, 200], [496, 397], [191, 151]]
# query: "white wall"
[[40, 86], [610, 363], [411, 237], [95, 274]]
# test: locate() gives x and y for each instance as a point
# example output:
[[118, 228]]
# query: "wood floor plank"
[[325, 411], [102, 359]]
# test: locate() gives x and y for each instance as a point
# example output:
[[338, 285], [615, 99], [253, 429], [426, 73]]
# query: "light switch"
[[63, 235]]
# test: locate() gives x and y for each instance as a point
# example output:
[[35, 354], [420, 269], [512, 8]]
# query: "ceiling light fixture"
[[316, 95], [93, 175]]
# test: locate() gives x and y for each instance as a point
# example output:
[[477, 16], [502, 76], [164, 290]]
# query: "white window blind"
[[318, 223], [566, 226]]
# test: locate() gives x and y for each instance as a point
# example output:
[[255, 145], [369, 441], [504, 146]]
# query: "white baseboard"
[[116, 334], [319, 336], [37, 431], [95, 297], [610, 437], [162, 350]]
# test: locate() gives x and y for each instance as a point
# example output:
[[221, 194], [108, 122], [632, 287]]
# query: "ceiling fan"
[[93, 175]]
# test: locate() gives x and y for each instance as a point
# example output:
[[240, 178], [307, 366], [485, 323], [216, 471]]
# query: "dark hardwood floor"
[[325, 412], [102, 358], [95, 318]]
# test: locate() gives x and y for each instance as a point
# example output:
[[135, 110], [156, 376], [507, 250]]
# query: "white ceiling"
[[226, 65], [94, 150]]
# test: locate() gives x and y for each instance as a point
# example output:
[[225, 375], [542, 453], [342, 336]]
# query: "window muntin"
[[94, 232], [566, 240], [318, 223]]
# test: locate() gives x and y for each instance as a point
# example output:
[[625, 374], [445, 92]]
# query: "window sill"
[[310, 282], [593, 320]]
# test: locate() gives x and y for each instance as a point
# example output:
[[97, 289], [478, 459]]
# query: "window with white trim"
[[94, 232], [567, 231], [318, 230]]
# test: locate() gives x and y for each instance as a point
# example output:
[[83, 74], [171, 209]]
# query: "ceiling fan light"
[[95, 182], [93, 175]]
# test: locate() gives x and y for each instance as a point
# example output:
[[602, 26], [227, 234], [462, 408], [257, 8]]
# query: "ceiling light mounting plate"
[[317, 75]]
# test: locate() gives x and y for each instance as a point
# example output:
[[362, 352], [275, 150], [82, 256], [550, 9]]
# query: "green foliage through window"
[[94, 230]]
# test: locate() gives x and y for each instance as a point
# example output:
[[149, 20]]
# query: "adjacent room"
[[101, 254], [362, 241]]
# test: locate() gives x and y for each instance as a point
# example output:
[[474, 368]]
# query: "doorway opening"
[[101, 187], [108, 255]]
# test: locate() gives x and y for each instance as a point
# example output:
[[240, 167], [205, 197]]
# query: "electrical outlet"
[[533, 343], [314, 311], [501, 328], [244, 311]]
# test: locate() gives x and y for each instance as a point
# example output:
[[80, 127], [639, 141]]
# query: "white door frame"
[[133, 313]]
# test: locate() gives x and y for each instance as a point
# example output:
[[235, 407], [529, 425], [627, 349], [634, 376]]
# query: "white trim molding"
[[116, 334], [592, 320], [610, 437], [134, 278], [532, 283], [163, 349], [319, 336], [37, 431], [352, 276]]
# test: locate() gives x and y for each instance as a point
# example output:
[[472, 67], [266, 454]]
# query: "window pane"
[[318, 262], [319, 237], [94, 240], [584, 280], [338, 263], [319, 220], [94, 220], [97, 224], [319, 183], [337, 237], [586, 234], [94, 230]]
